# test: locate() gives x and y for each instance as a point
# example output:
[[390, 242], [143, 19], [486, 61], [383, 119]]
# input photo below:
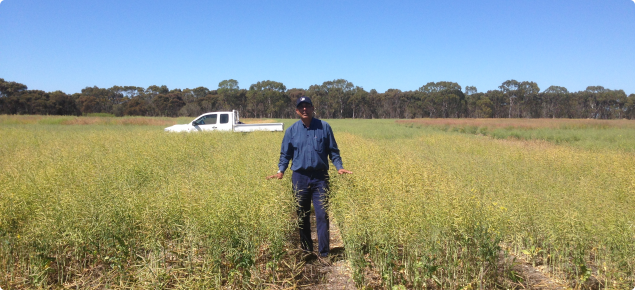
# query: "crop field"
[[104, 202]]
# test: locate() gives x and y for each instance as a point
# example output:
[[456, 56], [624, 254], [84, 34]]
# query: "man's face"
[[304, 110]]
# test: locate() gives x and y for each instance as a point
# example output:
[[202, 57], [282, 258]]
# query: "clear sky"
[[68, 45]]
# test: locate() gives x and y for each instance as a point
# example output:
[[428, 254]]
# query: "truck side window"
[[210, 119], [224, 118]]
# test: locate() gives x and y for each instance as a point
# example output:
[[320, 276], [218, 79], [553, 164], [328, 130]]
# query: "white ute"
[[223, 121]]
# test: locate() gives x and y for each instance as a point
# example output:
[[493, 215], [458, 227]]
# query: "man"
[[309, 142]]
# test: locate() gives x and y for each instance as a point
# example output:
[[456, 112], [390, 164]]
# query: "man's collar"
[[310, 124]]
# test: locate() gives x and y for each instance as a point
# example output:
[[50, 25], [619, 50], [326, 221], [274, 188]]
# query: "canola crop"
[[119, 207], [132, 206], [454, 211]]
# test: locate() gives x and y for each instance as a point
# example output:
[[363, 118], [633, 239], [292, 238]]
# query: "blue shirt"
[[309, 147]]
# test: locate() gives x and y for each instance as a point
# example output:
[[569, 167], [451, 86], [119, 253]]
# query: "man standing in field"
[[309, 142]]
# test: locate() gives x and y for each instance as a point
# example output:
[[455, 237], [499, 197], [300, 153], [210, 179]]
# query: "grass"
[[589, 134], [99, 115], [130, 206]]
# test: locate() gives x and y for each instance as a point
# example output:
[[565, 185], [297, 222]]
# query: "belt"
[[312, 171]]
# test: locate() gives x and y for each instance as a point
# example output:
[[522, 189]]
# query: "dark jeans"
[[312, 186]]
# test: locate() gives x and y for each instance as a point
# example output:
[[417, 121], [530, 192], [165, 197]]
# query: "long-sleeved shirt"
[[309, 148]]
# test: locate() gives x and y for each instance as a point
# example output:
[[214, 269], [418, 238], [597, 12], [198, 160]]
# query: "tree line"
[[332, 99]]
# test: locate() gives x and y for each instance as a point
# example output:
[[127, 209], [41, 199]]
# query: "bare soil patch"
[[532, 277], [333, 272]]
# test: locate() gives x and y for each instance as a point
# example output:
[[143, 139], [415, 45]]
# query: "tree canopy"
[[338, 98]]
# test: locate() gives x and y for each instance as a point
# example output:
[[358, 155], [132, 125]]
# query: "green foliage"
[[10, 88]]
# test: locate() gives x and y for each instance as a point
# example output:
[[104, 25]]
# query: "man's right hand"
[[278, 175]]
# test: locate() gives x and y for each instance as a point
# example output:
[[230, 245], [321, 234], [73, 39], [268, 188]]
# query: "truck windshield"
[[224, 118]]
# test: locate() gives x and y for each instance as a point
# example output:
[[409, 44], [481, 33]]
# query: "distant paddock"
[[523, 123]]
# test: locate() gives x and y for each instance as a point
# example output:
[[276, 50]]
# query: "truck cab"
[[215, 121]]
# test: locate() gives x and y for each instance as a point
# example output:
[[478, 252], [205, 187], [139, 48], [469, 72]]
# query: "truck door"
[[224, 123], [206, 123]]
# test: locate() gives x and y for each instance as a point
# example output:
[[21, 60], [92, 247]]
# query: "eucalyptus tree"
[[443, 99], [268, 97], [510, 89], [608, 103], [61, 103], [597, 99], [478, 104], [375, 110], [193, 99], [484, 106], [522, 98], [191, 95], [169, 104], [230, 94], [126, 91], [356, 102], [393, 101], [336, 93], [33, 102], [154, 90], [629, 107], [331, 97], [500, 103], [10, 88], [9, 96], [531, 102], [137, 106], [98, 100], [469, 90], [319, 96], [556, 102]]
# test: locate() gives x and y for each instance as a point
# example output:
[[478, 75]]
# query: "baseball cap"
[[303, 100]]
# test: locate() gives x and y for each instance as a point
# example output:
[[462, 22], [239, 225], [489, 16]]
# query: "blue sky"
[[68, 45]]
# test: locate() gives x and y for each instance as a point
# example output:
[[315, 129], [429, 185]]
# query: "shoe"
[[309, 256], [325, 259]]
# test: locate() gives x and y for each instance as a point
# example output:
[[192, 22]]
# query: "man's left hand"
[[344, 171], [278, 175]]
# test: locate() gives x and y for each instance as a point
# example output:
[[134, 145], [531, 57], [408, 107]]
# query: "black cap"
[[303, 100]]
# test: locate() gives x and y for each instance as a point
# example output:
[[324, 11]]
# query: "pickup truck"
[[223, 121]]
